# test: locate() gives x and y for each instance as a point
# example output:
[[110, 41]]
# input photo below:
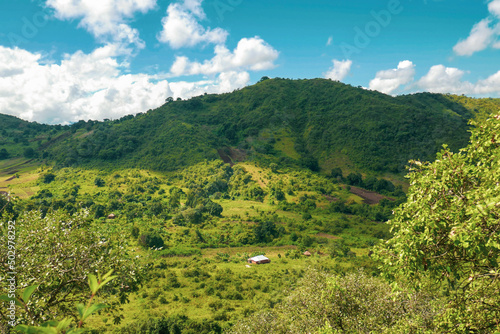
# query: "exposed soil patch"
[[330, 198], [10, 178], [369, 197], [231, 155], [225, 157], [250, 223]]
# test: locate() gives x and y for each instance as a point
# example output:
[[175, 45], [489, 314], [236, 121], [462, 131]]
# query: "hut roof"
[[307, 253], [258, 258]]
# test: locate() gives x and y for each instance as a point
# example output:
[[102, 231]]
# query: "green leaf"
[[81, 310], [35, 330], [28, 292], [50, 323], [63, 324], [106, 281], [22, 329], [76, 331], [94, 286], [108, 274], [5, 297], [92, 309]]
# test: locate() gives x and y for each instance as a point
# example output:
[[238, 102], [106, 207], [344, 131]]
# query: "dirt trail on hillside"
[[231, 155], [369, 197]]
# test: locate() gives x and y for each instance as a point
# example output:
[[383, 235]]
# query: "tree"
[[99, 182], [29, 153], [348, 303], [448, 233], [4, 154], [48, 177], [336, 173], [58, 252], [151, 240], [265, 231], [355, 179], [274, 167]]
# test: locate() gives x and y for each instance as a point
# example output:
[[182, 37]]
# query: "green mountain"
[[314, 123]]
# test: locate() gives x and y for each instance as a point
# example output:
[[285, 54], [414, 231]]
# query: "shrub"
[[150, 240]]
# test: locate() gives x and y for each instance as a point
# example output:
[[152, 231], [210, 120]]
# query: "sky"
[[66, 60]]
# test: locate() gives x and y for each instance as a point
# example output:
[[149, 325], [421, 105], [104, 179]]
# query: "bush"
[[48, 177], [99, 182], [354, 303], [29, 153], [151, 240]]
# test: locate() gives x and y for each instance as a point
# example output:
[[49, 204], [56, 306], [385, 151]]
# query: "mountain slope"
[[314, 123]]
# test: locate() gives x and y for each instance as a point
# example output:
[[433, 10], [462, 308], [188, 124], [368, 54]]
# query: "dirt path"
[[369, 197], [231, 155], [225, 157]]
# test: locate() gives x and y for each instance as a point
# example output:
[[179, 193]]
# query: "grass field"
[[19, 177], [203, 273]]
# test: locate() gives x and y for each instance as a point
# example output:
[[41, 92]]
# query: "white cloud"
[[390, 80], [82, 86], [339, 70], [226, 82], [329, 41], [479, 39], [441, 79], [105, 19], [89, 86], [250, 54], [489, 85], [483, 34], [182, 29], [494, 8]]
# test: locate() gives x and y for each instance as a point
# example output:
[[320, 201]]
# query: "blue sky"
[[65, 60]]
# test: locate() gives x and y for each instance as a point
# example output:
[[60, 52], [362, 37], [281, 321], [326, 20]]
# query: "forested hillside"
[[318, 124]]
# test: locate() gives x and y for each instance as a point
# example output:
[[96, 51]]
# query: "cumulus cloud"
[[494, 8], [441, 79], [483, 34], [250, 54], [182, 29], [225, 82], [105, 19], [479, 39], [390, 80], [89, 86], [489, 85], [339, 70]]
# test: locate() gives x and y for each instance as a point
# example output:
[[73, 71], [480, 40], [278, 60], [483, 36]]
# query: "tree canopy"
[[447, 234], [57, 253]]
